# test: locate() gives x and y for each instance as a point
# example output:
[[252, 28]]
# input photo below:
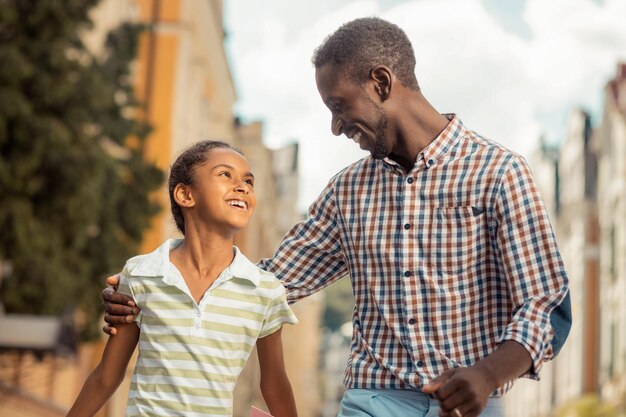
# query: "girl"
[[203, 304]]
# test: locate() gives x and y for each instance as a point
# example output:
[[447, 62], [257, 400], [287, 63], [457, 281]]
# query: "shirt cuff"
[[535, 339]]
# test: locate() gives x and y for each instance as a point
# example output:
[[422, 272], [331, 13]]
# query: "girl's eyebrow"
[[247, 174]]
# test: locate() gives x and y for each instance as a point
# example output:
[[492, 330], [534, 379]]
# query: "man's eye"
[[250, 183]]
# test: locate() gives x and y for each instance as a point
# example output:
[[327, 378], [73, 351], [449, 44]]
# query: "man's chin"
[[379, 153]]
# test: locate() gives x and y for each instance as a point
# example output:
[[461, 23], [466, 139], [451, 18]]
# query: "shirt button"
[[197, 325], [409, 180], [420, 364], [431, 162], [198, 314], [407, 273], [407, 226], [411, 321]]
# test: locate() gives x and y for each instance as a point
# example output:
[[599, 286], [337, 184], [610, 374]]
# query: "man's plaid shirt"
[[446, 261]]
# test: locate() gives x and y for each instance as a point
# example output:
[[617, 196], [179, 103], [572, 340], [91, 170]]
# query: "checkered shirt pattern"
[[446, 261]]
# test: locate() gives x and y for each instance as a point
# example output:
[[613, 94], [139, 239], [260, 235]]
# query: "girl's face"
[[223, 191]]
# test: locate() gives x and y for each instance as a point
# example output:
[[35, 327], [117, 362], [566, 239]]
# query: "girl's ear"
[[183, 196]]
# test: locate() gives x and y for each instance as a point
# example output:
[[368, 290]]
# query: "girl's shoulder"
[[270, 287]]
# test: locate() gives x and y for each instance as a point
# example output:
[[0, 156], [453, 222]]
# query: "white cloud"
[[503, 86]]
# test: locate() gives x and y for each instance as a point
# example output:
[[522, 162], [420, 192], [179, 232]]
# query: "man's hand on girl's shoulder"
[[118, 308]]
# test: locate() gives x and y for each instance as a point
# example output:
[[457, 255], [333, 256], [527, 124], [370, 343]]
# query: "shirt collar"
[[241, 267], [443, 142], [157, 264], [440, 145]]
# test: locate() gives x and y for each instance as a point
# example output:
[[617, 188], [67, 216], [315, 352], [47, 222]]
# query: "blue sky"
[[511, 70]]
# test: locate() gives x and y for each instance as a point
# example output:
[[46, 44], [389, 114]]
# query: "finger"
[[432, 387], [113, 297], [450, 387], [460, 399], [113, 280], [439, 383], [111, 319], [452, 413], [444, 413], [110, 330], [119, 309], [472, 412]]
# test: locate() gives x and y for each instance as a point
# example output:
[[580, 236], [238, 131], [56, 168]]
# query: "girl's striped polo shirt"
[[190, 354]]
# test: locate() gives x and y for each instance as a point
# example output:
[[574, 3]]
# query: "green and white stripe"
[[190, 355]]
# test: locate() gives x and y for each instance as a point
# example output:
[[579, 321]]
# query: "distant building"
[[610, 144], [181, 75], [566, 178], [276, 187], [577, 233], [589, 214]]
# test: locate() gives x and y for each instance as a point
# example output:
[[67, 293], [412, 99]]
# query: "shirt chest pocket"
[[456, 238]]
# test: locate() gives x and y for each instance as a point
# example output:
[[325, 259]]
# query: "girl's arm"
[[275, 385], [109, 373]]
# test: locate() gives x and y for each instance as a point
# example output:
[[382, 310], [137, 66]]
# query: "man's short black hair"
[[357, 46]]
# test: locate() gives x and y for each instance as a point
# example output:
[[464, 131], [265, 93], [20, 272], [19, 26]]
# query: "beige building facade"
[[610, 143], [562, 177], [276, 186], [183, 77]]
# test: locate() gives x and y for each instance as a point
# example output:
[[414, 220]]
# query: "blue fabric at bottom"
[[400, 403]]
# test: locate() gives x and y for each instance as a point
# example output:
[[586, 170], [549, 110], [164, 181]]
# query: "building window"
[[612, 350], [612, 255]]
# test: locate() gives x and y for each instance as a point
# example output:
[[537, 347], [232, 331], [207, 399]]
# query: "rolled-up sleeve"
[[536, 278]]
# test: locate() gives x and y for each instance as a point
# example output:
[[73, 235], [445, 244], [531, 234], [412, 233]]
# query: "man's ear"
[[381, 75], [183, 196]]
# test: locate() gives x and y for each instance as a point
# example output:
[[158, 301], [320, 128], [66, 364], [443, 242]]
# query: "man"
[[458, 282]]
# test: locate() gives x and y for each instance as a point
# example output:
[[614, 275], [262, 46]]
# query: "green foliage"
[[73, 196], [339, 304]]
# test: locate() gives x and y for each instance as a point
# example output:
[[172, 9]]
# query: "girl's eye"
[[225, 174]]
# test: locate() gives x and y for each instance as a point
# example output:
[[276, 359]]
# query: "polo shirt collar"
[[241, 267], [157, 264]]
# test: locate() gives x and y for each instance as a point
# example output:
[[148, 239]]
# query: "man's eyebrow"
[[247, 174], [331, 101]]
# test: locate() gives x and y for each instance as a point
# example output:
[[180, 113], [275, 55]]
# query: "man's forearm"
[[508, 362], [468, 389]]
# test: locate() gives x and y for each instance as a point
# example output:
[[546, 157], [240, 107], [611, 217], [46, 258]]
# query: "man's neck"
[[417, 126]]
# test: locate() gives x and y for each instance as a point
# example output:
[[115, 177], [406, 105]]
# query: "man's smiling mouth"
[[355, 135]]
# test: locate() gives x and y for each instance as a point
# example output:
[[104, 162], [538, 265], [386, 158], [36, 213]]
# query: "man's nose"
[[336, 125]]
